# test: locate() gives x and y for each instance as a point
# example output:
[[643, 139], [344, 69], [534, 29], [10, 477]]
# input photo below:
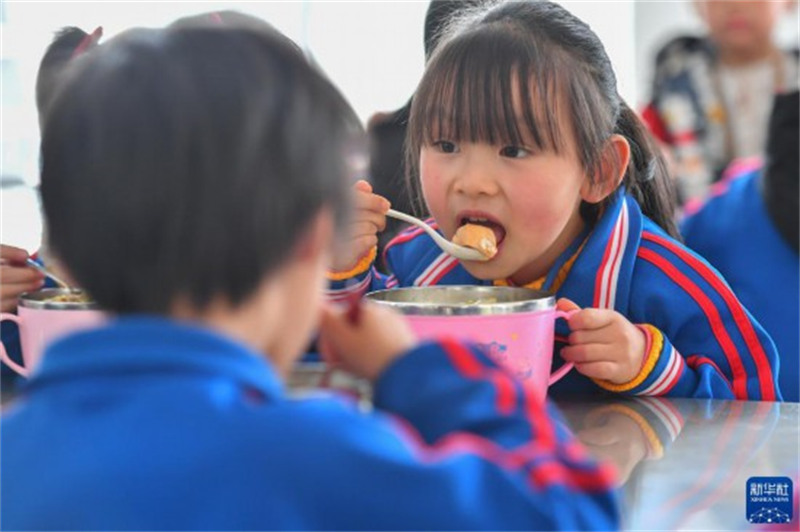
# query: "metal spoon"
[[33, 264], [459, 252]]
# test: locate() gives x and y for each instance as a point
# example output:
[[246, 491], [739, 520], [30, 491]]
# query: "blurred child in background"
[[217, 160], [517, 126], [748, 230], [711, 95]]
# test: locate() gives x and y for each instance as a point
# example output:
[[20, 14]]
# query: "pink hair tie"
[[215, 17], [90, 39]]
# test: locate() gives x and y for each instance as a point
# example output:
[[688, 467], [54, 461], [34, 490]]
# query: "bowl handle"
[[558, 374], [3, 353]]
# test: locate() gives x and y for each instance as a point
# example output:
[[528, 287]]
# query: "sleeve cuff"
[[654, 345], [361, 266]]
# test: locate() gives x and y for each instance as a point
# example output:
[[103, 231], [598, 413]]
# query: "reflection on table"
[[683, 464]]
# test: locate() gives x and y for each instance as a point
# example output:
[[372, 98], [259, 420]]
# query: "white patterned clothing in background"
[[709, 114]]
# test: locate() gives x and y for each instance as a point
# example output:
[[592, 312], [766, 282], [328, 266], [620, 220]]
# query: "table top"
[[683, 464]]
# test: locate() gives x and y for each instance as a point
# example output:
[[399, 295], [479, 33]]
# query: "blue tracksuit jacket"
[[147, 424], [734, 232], [703, 342]]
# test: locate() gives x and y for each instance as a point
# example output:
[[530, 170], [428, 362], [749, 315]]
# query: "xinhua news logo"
[[769, 500]]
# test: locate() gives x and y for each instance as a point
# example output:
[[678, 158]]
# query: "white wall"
[[371, 49], [613, 22]]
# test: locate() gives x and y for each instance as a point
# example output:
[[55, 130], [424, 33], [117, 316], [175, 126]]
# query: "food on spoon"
[[477, 237]]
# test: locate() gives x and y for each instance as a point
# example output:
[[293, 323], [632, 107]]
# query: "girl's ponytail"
[[647, 179]]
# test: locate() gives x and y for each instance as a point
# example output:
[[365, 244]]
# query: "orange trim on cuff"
[[361, 266], [653, 347]]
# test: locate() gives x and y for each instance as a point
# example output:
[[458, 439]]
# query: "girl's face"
[[531, 200]]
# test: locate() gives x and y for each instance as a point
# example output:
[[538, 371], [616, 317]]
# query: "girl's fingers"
[[363, 186], [583, 353], [11, 254], [591, 318], [19, 275], [8, 304], [15, 289], [603, 370], [372, 202], [603, 335], [566, 305], [9, 293], [367, 225], [365, 243]]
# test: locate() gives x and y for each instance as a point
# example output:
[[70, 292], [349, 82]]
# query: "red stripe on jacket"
[[462, 357], [550, 471], [447, 269], [745, 326], [470, 367], [695, 360], [409, 234], [712, 314]]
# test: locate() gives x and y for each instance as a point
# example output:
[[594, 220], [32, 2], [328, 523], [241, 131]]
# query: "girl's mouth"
[[486, 221]]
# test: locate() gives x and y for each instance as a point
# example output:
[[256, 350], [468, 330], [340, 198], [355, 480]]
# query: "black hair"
[[780, 186], [558, 63], [58, 53], [388, 134], [183, 164], [439, 15]]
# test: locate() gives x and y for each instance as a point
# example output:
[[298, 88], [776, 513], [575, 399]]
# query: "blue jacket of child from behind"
[[147, 424]]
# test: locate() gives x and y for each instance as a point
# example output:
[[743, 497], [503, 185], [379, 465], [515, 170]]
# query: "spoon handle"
[[460, 252], [406, 218], [35, 265], [420, 223]]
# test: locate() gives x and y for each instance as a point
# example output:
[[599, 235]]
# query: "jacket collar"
[[153, 345], [601, 274]]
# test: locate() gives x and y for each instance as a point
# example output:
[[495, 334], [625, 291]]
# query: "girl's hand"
[[603, 344], [369, 219], [16, 277], [367, 347]]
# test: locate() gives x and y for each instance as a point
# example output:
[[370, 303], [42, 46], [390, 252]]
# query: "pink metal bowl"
[[41, 319], [515, 326]]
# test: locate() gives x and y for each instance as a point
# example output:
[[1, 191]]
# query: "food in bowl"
[[75, 296], [477, 237]]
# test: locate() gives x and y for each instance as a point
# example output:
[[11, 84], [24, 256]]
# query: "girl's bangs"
[[490, 88]]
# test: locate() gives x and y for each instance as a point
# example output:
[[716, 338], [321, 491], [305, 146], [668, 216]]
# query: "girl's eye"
[[515, 152], [445, 146]]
